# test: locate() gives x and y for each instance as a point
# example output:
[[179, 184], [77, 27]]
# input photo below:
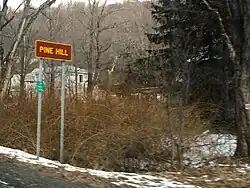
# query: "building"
[[74, 76]]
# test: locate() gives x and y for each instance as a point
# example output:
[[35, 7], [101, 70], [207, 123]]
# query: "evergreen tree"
[[187, 46], [186, 38]]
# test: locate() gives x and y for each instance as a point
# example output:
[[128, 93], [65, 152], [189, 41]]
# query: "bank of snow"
[[209, 146], [117, 178]]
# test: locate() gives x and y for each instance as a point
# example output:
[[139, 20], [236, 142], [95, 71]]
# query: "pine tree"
[[185, 37]]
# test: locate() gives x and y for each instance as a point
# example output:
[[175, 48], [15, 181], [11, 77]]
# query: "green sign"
[[40, 87]]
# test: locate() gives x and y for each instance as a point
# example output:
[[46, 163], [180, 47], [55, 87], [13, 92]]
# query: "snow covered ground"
[[118, 178], [204, 147], [208, 146], [5, 185]]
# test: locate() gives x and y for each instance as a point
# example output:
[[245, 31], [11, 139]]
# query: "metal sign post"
[[59, 52], [40, 89], [62, 112]]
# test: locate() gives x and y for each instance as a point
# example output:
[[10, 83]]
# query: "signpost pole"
[[62, 112], [39, 110], [58, 52]]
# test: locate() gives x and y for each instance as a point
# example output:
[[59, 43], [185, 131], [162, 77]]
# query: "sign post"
[[40, 89], [62, 112], [58, 52]]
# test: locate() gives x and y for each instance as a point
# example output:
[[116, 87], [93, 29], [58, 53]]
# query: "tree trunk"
[[109, 83], [22, 74], [76, 73], [3, 13], [240, 61], [242, 116], [243, 95], [90, 87], [180, 132], [52, 80]]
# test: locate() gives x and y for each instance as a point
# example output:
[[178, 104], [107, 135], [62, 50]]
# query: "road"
[[14, 174], [18, 175]]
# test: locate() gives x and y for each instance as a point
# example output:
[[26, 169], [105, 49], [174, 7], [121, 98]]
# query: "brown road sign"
[[53, 51]]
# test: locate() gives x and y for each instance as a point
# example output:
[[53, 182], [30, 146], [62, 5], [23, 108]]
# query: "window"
[[80, 78]]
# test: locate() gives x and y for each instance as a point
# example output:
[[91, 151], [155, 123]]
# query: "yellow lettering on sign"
[[61, 52], [41, 49], [46, 50]]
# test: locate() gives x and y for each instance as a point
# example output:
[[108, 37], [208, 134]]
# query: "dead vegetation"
[[104, 135], [212, 176]]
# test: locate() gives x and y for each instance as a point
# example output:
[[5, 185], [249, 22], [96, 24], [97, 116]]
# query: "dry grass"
[[97, 133], [226, 176]]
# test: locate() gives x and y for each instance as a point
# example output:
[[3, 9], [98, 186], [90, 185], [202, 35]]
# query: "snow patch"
[[2, 182], [210, 146], [118, 178]]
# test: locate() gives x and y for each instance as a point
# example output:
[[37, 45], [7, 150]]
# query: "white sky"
[[14, 3]]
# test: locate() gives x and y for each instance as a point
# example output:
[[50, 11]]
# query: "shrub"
[[98, 134]]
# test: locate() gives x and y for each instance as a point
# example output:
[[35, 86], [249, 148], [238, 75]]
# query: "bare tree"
[[97, 15], [4, 22], [23, 63], [27, 19], [72, 24], [26, 53]]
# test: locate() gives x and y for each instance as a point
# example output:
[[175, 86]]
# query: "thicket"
[[100, 134]]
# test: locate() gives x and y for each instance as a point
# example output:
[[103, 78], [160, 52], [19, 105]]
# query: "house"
[[70, 80], [74, 76]]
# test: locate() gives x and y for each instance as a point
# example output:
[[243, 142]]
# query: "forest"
[[168, 72]]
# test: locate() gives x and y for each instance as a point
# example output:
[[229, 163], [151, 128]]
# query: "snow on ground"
[[209, 146], [118, 178], [2, 182], [204, 147], [241, 168]]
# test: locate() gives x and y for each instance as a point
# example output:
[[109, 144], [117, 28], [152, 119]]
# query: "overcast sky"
[[15, 3]]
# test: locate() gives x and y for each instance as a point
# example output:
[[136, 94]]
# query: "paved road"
[[18, 175], [21, 175]]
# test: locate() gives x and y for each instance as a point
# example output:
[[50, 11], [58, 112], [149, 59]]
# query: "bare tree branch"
[[223, 30], [9, 20], [24, 27]]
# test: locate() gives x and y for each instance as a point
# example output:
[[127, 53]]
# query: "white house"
[[70, 79], [70, 71]]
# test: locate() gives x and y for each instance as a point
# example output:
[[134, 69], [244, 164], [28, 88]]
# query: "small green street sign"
[[40, 87]]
